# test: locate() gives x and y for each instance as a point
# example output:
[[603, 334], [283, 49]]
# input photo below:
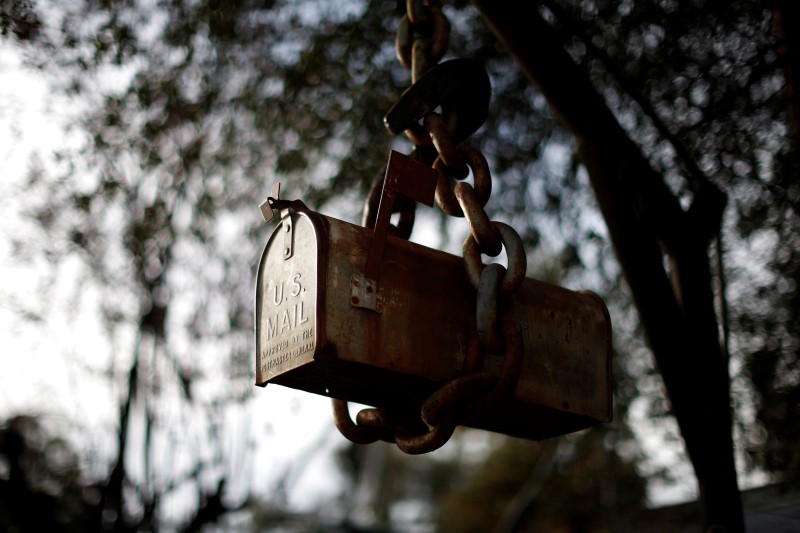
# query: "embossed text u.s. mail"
[[285, 311]]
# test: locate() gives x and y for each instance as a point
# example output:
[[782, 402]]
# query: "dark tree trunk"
[[787, 13], [645, 220]]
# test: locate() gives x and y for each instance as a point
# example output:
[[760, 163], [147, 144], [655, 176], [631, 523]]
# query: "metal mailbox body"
[[309, 336]]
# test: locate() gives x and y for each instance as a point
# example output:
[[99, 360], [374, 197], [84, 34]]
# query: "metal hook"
[[460, 86]]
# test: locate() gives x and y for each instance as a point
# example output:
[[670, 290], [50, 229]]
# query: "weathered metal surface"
[[309, 335]]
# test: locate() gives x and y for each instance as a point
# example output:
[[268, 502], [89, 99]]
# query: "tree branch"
[[786, 16], [695, 176]]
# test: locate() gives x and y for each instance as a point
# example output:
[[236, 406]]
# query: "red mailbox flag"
[[410, 178]]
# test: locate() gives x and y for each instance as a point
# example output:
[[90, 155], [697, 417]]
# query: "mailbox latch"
[[286, 222], [283, 207]]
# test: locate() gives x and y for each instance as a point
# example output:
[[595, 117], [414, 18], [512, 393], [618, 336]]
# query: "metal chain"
[[421, 41]]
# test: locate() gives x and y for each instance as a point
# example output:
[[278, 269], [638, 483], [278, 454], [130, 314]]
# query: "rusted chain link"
[[446, 198], [354, 433], [487, 311], [420, 45], [515, 252], [451, 404], [456, 400], [397, 423], [509, 376], [417, 14], [480, 227], [448, 151]]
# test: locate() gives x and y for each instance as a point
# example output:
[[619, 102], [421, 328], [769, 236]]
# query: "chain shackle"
[[460, 87]]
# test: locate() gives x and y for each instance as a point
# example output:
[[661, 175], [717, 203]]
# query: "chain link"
[[515, 253], [480, 227], [353, 432], [417, 13], [467, 396], [446, 198], [487, 312], [509, 375], [420, 45], [397, 423], [453, 158], [421, 41]]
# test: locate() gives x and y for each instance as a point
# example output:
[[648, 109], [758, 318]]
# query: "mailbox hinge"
[[364, 293]]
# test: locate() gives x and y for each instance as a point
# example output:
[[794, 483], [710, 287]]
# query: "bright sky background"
[[39, 370]]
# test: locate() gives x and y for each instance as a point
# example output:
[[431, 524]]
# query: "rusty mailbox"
[[315, 332]]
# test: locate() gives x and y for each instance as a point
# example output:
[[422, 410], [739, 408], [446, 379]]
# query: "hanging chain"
[[421, 41]]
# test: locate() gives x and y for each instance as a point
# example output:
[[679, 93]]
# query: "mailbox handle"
[[274, 202]]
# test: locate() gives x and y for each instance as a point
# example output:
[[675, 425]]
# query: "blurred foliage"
[[189, 111], [41, 486], [588, 481], [19, 20], [577, 483]]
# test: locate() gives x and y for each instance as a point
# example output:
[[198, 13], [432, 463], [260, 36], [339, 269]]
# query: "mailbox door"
[[288, 291]]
